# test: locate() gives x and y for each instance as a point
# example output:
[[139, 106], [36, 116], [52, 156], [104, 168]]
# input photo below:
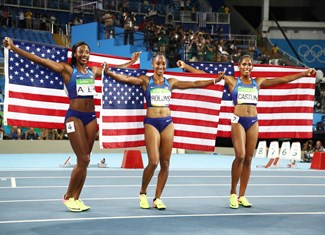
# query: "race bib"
[[247, 95], [85, 87], [160, 97]]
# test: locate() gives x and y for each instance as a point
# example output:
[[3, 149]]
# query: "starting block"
[[68, 164], [132, 159], [273, 155], [286, 152]]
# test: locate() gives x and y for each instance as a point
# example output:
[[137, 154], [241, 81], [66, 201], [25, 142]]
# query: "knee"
[[164, 165], [240, 158], [248, 160], [84, 161], [153, 164]]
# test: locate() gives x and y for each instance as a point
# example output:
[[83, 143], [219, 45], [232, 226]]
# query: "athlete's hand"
[[181, 64], [135, 56], [7, 42], [310, 72]]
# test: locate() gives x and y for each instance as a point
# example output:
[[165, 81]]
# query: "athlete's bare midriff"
[[245, 110], [158, 112], [82, 105]]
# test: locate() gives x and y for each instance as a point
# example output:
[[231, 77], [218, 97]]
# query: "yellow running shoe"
[[244, 202], [71, 205], [233, 201], [82, 205], [144, 204], [158, 203]]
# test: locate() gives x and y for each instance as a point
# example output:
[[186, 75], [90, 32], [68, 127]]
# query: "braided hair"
[[245, 56], [74, 48], [155, 55]]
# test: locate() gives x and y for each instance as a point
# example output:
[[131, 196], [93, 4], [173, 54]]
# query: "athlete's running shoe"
[[233, 201], [82, 205], [244, 202], [144, 204], [158, 203], [71, 205]]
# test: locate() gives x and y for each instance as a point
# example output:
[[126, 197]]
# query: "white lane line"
[[169, 185], [170, 197], [162, 216], [13, 182], [175, 176]]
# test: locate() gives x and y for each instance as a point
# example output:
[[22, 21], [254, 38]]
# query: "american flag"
[[195, 112], [284, 111], [34, 95]]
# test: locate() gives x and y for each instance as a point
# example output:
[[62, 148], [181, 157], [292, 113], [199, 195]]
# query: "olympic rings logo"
[[314, 54]]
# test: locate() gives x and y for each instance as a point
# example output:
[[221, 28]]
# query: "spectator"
[[15, 133], [30, 134], [28, 17], [319, 126], [308, 150], [2, 130], [43, 23], [36, 21], [129, 21], [62, 134], [319, 146], [193, 14], [169, 18], [21, 17], [49, 134], [109, 20], [5, 17], [274, 51], [53, 24], [193, 52]]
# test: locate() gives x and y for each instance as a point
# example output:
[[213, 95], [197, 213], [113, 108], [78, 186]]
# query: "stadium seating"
[[28, 35]]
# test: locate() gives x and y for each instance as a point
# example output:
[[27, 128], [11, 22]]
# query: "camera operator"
[[129, 23], [109, 20]]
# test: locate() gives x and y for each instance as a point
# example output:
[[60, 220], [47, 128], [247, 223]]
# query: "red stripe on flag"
[[39, 124], [294, 135], [190, 109], [196, 147], [126, 144], [40, 111], [112, 132], [193, 134], [38, 97]]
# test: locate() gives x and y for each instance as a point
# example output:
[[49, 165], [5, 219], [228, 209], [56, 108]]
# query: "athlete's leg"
[[238, 137], [91, 133], [152, 140], [79, 144], [251, 141], [165, 150]]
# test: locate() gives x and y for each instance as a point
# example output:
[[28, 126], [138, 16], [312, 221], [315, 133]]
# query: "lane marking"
[[167, 197], [13, 182], [169, 185], [173, 176], [162, 216]]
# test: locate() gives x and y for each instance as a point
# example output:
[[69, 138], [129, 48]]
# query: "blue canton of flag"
[[214, 68], [117, 95], [27, 73]]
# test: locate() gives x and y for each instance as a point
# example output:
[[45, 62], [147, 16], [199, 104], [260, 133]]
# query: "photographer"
[[129, 21], [109, 20]]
